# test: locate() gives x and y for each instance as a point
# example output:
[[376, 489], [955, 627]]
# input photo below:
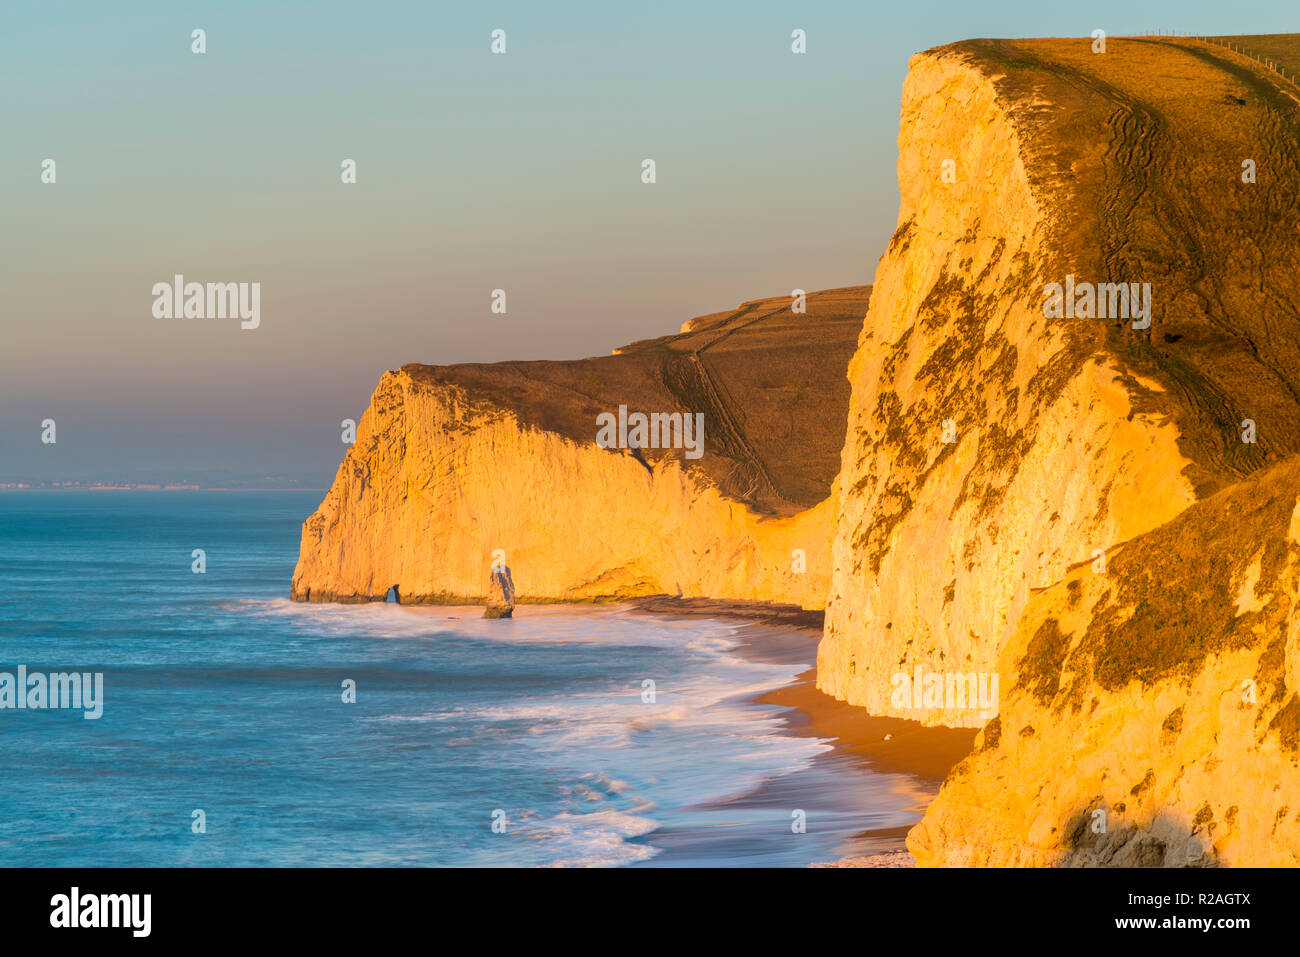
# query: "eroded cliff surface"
[[454, 466], [1150, 714], [989, 447]]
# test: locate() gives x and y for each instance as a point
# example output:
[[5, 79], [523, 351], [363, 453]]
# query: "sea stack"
[[501, 594]]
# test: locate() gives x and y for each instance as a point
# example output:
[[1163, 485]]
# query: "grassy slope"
[[1281, 48], [1139, 152], [1172, 597], [771, 383]]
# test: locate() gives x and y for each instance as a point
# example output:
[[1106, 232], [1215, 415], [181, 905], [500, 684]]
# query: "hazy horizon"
[[475, 172]]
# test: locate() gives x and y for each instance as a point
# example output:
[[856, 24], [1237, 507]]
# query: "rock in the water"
[[501, 594]]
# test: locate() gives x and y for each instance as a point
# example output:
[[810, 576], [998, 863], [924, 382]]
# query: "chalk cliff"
[[1150, 714], [1114, 528], [1100, 511], [455, 467], [990, 448]]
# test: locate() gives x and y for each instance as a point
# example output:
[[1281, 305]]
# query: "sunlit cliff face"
[[987, 451], [1088, 504], [697, 465]]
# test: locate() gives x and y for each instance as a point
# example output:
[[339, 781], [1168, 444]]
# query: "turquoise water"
[[222, 696]]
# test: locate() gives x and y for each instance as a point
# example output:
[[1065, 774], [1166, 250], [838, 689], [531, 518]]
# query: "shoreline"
[[918, 756], [864, 792]]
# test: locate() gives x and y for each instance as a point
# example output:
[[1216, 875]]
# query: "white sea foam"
[[702, 739], [533, 624], [593, 839]]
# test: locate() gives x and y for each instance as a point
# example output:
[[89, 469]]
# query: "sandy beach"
[[920, 756]]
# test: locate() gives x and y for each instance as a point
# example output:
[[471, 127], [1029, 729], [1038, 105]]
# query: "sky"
[[475, 171]]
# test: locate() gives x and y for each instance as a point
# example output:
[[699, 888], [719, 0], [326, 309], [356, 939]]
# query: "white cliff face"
[[988, 449], [1145, 644], [1150, 714], [438, 486]]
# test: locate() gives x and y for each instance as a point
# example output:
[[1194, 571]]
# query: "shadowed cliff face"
[[991, 448], [453, 464]]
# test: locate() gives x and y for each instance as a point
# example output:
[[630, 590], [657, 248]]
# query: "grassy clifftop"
[[457, 467], [1139, 154], [770, 382], [1159, 662], [995, 443]]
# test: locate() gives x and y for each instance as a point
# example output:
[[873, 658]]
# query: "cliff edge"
[[457, 467], [998, 435]]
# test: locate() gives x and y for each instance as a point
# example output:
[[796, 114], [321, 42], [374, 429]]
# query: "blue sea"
[[225, 739]]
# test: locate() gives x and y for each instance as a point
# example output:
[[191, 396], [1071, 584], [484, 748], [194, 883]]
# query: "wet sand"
[[759, 612], [917, 757], [887, 744]]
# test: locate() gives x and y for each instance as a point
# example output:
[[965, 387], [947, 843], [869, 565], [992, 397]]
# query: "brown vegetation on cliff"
[[1146, 640], [1022, 163], [1167, 685], [458, 467], [769, 381]]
